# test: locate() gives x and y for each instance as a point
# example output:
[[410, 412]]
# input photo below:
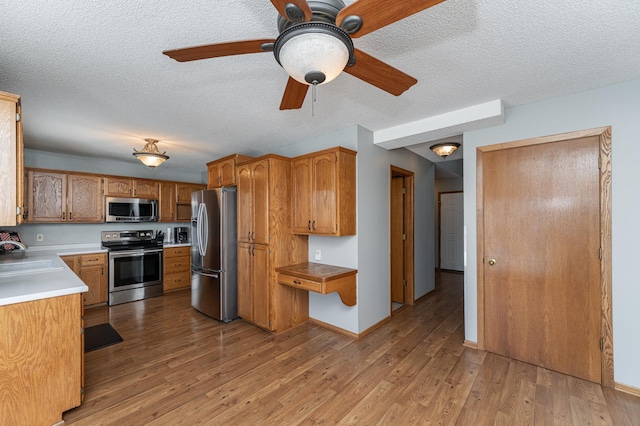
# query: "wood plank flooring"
[[178, 367]]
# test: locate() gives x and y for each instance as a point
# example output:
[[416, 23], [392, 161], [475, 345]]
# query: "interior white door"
[[452, 231]]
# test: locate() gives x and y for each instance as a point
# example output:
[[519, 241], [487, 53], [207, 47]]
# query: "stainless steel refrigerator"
[[214, 275]]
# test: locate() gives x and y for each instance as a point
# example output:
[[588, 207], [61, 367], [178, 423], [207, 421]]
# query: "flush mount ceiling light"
[[444, 149], [150, 155]]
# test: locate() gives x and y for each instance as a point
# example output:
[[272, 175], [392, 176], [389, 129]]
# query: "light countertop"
[[34, 285]]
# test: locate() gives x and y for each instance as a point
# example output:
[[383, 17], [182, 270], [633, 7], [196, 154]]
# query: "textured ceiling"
[[93, 79]]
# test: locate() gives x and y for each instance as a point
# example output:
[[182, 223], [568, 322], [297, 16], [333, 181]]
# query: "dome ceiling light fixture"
[[444, 149], [315, 44], [150, 156]]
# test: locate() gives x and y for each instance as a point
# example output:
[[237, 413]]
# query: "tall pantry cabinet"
[[11, 160], [265, 242]]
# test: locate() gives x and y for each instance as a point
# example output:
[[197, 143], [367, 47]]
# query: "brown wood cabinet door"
[[118, 187], [85, 202], [47, 197], [245, 309], [260, 202], [93, 272], [261, 285], [167, 202], [301, 197], [213, 176], [184, 190], [228, 172], [245, 207], [541, 242], [145, 188], [72, 263], [324, 194]]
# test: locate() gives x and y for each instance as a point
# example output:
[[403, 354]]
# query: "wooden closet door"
[[542, 294]]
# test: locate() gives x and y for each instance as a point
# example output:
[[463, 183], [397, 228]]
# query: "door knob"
[[492, 262]]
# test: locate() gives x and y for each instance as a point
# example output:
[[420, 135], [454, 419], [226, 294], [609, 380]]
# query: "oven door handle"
[[133, 253]]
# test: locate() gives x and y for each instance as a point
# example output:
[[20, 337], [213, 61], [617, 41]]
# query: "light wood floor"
[[178, 367]]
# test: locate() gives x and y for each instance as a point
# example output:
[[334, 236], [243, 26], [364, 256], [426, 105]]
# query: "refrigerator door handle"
[[205, 226], [199, 231]]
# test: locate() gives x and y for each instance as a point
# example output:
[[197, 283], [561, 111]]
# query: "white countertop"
[[26, 287], [31, 286]]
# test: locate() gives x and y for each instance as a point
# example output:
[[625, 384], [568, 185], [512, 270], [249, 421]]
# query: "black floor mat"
[[100, 336]]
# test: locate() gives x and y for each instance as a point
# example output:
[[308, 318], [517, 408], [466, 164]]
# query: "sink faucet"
[[15, 243]]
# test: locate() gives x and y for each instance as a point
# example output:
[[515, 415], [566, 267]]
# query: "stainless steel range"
[[135, 265]]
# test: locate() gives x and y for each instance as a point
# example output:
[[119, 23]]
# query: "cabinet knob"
[[492, 262]]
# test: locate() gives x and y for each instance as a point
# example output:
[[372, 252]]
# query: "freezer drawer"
[[213, 295]]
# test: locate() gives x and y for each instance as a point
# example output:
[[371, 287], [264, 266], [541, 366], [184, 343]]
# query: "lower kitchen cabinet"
[[93, 271], [253, 288], [42, 356], [177, 268]]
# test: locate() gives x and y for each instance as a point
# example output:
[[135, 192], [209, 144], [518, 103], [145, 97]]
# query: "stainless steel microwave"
[[131, 210]]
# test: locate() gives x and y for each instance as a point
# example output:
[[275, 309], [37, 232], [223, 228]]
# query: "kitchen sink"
[[29, 266]]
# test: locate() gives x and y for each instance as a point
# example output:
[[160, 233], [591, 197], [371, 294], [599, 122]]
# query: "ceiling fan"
[[315, 46]]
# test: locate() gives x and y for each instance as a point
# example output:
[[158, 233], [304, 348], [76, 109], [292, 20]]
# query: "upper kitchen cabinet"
[[253, 202], [130, 187], [222, 172], [64, 197], [167, 202], [11, 160], [184, 190], [324, 193]]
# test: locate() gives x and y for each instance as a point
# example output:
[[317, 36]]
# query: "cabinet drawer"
[[177, 264], [176, 281], [93, 259], [300, 283], [177, 251]]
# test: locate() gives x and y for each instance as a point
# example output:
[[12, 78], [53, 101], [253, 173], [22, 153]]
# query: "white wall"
[[76, 163], [368, 251], [617, 106]]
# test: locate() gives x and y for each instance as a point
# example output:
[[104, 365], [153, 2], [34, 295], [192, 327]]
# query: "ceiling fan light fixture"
[[313, 52], [150, 156], [444, 149]]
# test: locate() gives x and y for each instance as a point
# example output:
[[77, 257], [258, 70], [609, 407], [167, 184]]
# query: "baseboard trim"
[[627, 389], [349, 333], [470, 344], [333, 328]]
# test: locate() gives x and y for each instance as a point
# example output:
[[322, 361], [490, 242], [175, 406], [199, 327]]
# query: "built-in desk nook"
[[321, 278]]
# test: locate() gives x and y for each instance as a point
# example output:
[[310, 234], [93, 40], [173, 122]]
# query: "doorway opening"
[[401, 237], [451, 231]]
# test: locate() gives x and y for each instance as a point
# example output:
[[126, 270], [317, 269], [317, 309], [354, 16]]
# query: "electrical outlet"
[[39, 237], [318, 255]]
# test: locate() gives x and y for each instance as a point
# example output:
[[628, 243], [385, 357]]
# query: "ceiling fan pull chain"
[[313, 98]]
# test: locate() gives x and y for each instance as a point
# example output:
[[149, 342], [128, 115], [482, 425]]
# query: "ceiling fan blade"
[[302, 5], [382, 75], [376, 14], [294, 95], [216, 50]]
